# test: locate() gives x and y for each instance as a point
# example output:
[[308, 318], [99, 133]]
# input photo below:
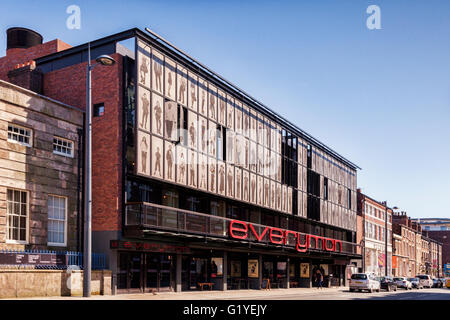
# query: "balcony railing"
[[165, 218]]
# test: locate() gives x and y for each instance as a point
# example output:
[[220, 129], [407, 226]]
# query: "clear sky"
[[379, 97]]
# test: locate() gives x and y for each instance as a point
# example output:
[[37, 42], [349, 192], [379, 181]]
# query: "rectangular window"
[[17, 215], [99, 109], [63, 147], [20, 135], [56, 234]]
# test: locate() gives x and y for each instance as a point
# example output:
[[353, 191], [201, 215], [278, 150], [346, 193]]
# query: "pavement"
[[336, 293]]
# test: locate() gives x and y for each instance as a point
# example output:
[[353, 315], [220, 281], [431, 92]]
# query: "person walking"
[[319, 279]]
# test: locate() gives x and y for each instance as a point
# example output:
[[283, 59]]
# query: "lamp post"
[[386, 236], [87, 255]]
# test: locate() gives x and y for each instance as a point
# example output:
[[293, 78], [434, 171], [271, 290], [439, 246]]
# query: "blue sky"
[[378, 97]]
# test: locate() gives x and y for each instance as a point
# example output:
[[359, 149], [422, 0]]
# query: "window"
[[20, 135], [56, 234], [99, 109], [62, 147], [17, 216]]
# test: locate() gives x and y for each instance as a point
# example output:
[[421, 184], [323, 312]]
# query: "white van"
[[425, 280], [364, 281]]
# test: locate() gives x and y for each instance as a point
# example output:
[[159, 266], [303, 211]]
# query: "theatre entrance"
[[145, 272]]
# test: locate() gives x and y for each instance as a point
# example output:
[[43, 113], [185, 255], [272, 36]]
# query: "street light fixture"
[[87, 256]]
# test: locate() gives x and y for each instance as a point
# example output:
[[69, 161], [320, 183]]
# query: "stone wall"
[[17, 283]]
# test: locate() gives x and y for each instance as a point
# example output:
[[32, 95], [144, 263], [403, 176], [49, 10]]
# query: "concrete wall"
[[44, 283]]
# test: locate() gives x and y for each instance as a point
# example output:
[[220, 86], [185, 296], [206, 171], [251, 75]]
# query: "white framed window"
[[19, 134], [17, 216], [57, 221], [63, 147]]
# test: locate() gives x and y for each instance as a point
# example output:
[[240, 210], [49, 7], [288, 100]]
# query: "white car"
[[403, 282], [364, 281], [425, 280]]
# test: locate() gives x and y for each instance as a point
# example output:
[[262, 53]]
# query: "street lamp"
[[386, 235], [87, 261]]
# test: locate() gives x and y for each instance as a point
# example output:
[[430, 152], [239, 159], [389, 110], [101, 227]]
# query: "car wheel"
[[378, 290], [395, 288]]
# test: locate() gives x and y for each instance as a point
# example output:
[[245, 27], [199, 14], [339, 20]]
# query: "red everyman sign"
[[240, 230]]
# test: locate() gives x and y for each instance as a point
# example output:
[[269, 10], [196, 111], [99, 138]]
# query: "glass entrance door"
[[130, 272], [159, 272]]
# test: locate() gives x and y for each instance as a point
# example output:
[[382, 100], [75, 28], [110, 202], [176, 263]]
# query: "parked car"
[[426, 280], [402, 282], [447, 282], [364, 281], [415, 283], [388, 284]]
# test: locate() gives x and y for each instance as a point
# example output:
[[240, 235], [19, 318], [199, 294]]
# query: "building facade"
[[39, 161], [197, 183], [377, 242]]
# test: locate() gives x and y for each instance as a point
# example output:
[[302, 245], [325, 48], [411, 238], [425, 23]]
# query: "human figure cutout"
[[144, 147], [157, 67], [182, 168], [212, 169], [192, 171], [230, 182], [145, 110], [169, 158], [182, 90], [193, 96], [192, 134], [143, 70], [221, 179], [170, 82], [157, 162], [203, 177], [158, 113]]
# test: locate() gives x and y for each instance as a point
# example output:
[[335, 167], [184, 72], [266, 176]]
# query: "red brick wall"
[[18, 55], [68, 85]]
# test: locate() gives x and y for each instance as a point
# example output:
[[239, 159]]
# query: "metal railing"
[[47, 259], [154, 216]]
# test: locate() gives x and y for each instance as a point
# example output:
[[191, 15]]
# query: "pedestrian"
[[319, 279]]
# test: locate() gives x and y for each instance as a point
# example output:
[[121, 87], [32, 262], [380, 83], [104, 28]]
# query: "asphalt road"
[[400, 294]]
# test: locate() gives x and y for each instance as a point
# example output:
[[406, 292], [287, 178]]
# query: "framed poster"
[[238, 183], [230, 112], [221, 177], [230, 180], [181, 165], [212, 175], [212, 142], [260, 185], [253, 188], [235, 268], [192, 129], [217, 266], [238, 117], [304, 270], [170, 120], [266, 186], [253, 268]]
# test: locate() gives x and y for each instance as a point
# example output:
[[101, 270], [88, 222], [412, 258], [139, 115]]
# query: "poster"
[[281, 266], [253, 268], [158, 114], [235, 268], [324, 268], [170, 120], [143, 153], [157, 71], [192, 91], [157, 157], [169, 160], [222, 108], [212, 102], [246, 184], [181, 85], [202, 97], [217, 266], [304, 270]]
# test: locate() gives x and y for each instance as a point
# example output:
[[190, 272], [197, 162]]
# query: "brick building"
[[373, 234], [39, 165], [168, 222]]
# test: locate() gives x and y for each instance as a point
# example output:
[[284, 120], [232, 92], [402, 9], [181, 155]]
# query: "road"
[[400, 294]]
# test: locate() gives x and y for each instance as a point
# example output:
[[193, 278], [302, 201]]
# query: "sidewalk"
[[205, 295]]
